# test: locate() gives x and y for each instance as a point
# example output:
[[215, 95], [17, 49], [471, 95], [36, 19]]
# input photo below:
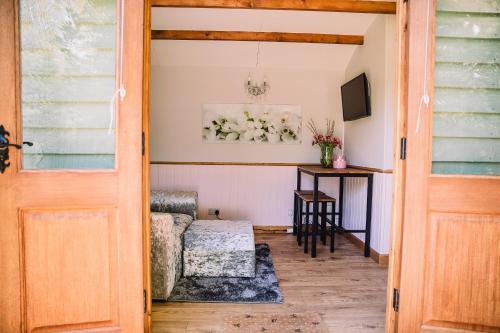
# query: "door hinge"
[[143, 143], [403, 148], [395, 300], [145, 301]]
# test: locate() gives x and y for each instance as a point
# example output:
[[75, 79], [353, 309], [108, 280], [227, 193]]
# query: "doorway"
[[181, 164]]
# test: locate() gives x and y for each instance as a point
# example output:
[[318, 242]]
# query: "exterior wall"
[[68, 81], [466, 119]]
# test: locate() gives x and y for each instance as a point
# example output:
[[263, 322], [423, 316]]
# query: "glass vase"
[[326, 156]]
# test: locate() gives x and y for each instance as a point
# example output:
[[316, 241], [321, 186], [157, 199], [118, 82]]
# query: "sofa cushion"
[[219, 248], [163, 269], [182, 202], [166, 251], [181, 223]]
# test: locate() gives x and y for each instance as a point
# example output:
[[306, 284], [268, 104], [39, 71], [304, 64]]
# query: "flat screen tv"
[[356, 98]]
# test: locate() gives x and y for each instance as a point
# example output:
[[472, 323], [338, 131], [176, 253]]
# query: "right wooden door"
[[450, 264]]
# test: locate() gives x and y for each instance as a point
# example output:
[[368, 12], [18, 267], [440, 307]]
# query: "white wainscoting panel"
[[355, 209], [264, 194]]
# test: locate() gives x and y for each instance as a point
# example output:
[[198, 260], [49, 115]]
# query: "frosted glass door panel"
[[466, 119], [67, 51]]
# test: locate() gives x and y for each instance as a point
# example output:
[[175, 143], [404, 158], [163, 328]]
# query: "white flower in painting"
[[209, 135], [208, 119], [277, 121], [247, 135], [228, 127], [271, 129], [258, 135], [287, 137], [293, 122], [250, 125], [240, 123], [232, 136], [273, 137], [265, 116]]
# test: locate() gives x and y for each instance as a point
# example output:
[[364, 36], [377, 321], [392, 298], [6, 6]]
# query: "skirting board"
[[270, 229], [382, 259]]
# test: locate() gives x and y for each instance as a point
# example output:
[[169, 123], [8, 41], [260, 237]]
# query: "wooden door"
[[70, 234], [450, 264]]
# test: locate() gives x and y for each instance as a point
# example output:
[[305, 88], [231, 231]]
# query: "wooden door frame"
[[399, 168], [146, 248], [400, 130]]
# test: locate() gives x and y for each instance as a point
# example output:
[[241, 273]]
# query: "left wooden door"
[[70, 204]]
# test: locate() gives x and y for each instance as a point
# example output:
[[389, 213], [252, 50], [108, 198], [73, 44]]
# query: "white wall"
[[369, 141], [178, 93], [187, 74]]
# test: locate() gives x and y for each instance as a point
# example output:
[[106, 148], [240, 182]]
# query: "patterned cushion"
[[219, 248], [174, 202]]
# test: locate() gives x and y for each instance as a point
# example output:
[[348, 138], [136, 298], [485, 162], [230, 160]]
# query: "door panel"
[[71, 239], [70, 262], [450, 261], [462, 283]]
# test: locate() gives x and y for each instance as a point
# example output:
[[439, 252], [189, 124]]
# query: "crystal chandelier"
[[254, 88]]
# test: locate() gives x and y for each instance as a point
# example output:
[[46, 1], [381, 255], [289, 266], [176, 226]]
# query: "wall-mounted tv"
[[356, 98]]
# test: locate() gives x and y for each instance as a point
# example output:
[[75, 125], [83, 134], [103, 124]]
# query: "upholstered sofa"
[[171, 215]]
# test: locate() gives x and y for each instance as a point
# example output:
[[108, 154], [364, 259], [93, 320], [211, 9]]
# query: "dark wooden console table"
[[319, 172]]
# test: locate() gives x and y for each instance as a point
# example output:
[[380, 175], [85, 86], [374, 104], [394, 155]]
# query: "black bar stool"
[[297, 209], [307, 198]]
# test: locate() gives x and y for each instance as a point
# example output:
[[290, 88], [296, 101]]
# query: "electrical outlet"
[[213, 211]]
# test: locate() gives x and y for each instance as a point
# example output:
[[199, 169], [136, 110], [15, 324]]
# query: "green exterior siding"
[[68, 64], [466, 119]]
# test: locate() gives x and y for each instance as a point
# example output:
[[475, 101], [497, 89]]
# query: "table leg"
[[300, 217], [332, 230], [306, 230], [341, 200], [295, 220], [295, 210], [324, 207], [369, 196], [315, 218]]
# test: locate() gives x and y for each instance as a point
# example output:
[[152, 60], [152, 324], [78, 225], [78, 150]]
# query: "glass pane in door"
[[466, 119], [67, 74]]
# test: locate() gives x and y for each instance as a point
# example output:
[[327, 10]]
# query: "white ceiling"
[[243, 54]]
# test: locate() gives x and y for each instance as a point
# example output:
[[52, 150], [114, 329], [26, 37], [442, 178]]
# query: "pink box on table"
[[340, 163]]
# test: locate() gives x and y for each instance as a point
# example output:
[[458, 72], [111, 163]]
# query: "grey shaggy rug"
[[263, 288]]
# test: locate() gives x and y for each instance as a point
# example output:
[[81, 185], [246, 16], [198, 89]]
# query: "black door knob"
[[4, 148]]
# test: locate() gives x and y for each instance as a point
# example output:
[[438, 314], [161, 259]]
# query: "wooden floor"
[[345, 288]]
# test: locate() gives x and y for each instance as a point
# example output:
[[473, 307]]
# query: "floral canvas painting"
[[252, 123]]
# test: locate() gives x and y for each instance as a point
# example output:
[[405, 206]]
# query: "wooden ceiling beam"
[[352, 6], [251, 36]]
